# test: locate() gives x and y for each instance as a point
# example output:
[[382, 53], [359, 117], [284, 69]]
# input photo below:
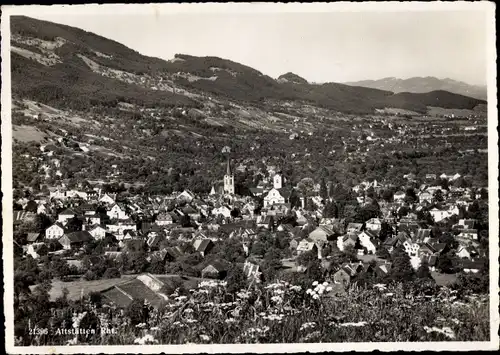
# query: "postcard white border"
[[155, 9]]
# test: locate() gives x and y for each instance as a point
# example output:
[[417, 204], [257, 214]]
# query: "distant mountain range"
[[63, 66], [423, 85]]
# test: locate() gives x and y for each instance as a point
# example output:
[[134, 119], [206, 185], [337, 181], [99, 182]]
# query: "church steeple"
[[229, 179], [228, 169]]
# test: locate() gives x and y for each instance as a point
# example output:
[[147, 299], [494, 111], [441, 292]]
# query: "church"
[[227, 188], [229, 180], [277, 194]]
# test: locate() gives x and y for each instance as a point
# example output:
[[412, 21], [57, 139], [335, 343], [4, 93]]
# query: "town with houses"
[[170, 228]]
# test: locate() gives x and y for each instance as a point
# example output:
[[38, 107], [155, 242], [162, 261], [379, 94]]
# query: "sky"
[[319, 46]]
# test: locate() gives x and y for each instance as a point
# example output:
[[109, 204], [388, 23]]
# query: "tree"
[[323, 191], [59, 267], [137, 311], [484, 194], [383, 253], [330, 210], [306, 186], [330, 189], [232, 251], [388, 195], [446, 263], [423, 271], [306, 257], [401, 266], [236, 279], [444, 184], [386, 232], [111, 273], [411, 196], [74, 225], [351, 253], [367, 212], [185, 221], [235, 212], [42, 222], [271, 263], [438, 196]]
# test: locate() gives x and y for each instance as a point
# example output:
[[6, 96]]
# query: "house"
[[265, 221], [36, 250], [55, 231], [383, 270], [306, 245], [158, 256], [430, 177], [438, 215], [92, 220], [470, 234], [425, 196], [164, 219], [373, 224], [97, 232], [467, 223], [223, 211], [463, 252], [470, 266], [108, 199], [154, 241], [129, 234], [399, 196], [411, 248], [342, 276], [21, 217], [42, 209], [252, 271], [215, 270], [117, 212], [423, 235], [143, 287], [408, 226], [33, 237], [256, 191], [425, 250], [391, 243], [193, 213], [203, 246], [173, 254], [294, 243], [87, 209], [366, 239], [186, 195], [75, 239], [354, 227], [439, 248], [65, 215], [301, 220], [322, 233], [344, 241]]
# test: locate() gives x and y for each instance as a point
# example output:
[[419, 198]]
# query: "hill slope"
[[65, 66], [422, 85]]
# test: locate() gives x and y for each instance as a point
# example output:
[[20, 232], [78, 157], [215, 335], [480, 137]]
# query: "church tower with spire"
[[229, 180]]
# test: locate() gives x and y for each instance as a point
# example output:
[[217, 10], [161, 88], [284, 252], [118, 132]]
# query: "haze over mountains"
[[424, 84], [65, 66]]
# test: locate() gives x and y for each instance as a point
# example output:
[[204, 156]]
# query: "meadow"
[[284, 313]]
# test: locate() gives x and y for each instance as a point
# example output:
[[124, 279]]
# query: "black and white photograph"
[[250, 177]]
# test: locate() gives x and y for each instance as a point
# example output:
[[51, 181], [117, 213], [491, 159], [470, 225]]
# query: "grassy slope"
[[72, 81]]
